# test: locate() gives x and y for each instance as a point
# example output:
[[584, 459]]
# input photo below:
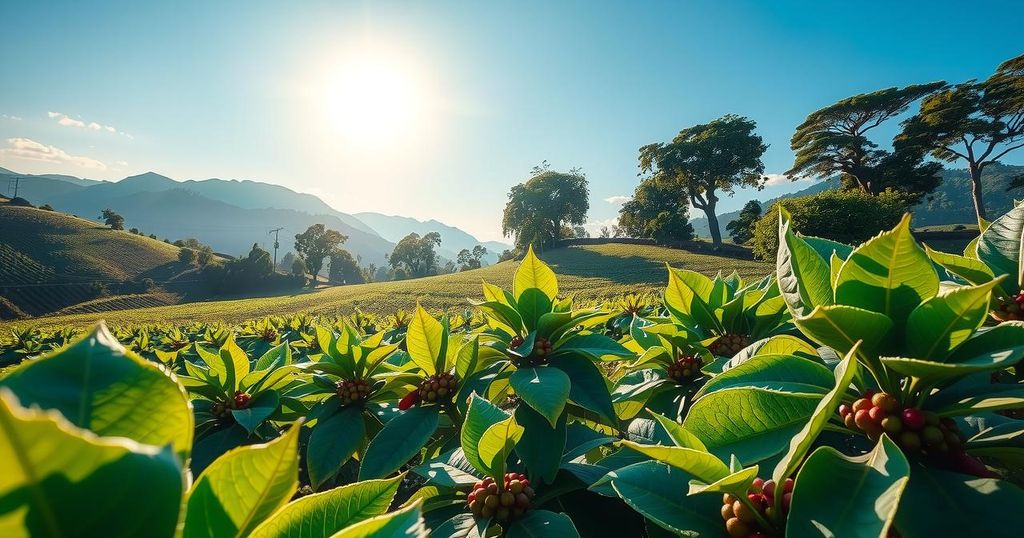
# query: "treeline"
[[972, 123]]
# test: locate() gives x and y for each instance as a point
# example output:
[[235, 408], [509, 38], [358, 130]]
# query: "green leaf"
[[999, 246], [57, 480], [235, 361], [399, 440], [589, 389], [782, 344], [496, 443], [545, 389], [533, 305], [480, 415], [260, 408], [970, 269], [827, 247], [889, 274], [803, 275], [752, 423], [323, 514], [658, 492], [398, 524], [737, 483], [931, 371], [767, 368], [243, 487], [870, 486], [840, 327], [593, 345], [539, 523], [679, 435], [100, 386], [941, 323], [541, 446], [533, 273], [702, 465], [685, 304], [940, 503], [424, 340], [333, 441], [844, 374]]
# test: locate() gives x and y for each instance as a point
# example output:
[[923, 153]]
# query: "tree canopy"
[[316, 244], [471, 259], [709, 159], [112, 219], [742, 229], [345, 269], [538, 209], [658, 210], [834, 140], [415, 256], [976, 122]]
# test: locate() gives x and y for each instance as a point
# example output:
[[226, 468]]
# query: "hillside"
[[950, 203], [592, 271], [50, 261]]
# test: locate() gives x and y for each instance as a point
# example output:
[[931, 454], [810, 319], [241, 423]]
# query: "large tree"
[[977, 122], [345, 269], [659, 210], [415, 256], [742, 229], [834, 140], [316, 244], [471, 259], [113, 219], [538, 209], [709, 159]]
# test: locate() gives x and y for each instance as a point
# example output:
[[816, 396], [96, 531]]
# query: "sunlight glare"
[[373, 102]]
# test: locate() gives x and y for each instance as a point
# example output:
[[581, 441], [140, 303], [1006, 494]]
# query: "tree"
[[287, 261], [538, 209], [298, 266], [316, 244], [112, 219], [414, 256], [659, 209], [204, 255], [580, 232], [345, 269], [707, 158], [742, 229], [834, 140], [471, 259], [605, 232], [977, 122], [187, 256]]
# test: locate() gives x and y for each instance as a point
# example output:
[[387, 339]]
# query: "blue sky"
[[250, 90]]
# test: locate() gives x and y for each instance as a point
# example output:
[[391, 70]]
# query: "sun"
[[373, 102]]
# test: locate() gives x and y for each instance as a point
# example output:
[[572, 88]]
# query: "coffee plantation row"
[[869, 390]]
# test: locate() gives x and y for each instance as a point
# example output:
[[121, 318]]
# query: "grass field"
[[593, 271]]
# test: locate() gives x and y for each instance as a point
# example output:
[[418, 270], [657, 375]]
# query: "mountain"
[[206, 210], [951, 202], [394, 228]]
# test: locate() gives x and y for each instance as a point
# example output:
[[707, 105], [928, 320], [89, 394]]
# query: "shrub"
[[187, 255], [844, 216]]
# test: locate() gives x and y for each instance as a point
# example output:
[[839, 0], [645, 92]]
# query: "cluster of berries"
[[728, 345], [685, 368], [539, 355], [268, 334], [740, 519], [239, 401], [352, 391], [1011, 309], [916, 431], [438, 387], [504, 504]]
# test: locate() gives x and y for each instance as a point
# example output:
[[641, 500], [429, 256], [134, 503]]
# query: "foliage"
[[742, 229], [316, 244], [112, 219], [707, 159], [834, 140], [977, 122], [470, 259], [345, 269], [538, 209], [414, 256], [187, 256], [844, 216], [659, 210]]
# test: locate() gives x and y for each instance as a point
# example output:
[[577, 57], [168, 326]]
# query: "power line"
[[276, 232]]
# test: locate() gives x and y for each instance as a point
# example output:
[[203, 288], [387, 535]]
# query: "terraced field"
[[592, 271]]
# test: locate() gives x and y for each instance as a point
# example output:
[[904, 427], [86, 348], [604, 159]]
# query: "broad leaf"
[[803, 274], [840, 327], [941, 503], [480, 416], [545, 389], [533, 273], [400, 439], [589, 389], [424, 340], [538, 523], [943, 322], [702, 465], [332, 442], [404, 523], [1000, 246]]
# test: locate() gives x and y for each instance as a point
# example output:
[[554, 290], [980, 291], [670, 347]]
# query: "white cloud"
[[68, 121], [26, 148], [783, 179], [618, 200], [10, 117], [594, 226]]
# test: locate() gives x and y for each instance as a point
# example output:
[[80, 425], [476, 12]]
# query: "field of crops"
[[859, 391], [588, 272]]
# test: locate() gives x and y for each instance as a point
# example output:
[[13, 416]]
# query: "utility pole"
[[276, 232], [15, 181]]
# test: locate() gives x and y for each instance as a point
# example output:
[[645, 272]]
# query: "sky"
[[436, 109]]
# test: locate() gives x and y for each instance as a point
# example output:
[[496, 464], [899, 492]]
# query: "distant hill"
[[394, 228], [50, 261], [951, 203]]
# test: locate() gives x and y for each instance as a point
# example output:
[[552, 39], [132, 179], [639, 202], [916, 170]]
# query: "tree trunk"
[[716, 232], [979, 203]]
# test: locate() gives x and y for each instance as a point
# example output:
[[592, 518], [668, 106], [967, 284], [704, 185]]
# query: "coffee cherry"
[[487, 499], [910, 441], [241, 399], [932, 435], [886, 402], [352, 391], [743, 512], [877, 414], [862, 404], [769, 488], [727, 512], [437, 387], [913, 418], [845, 410], [863, 419], [787, 486], [516, 342], [737, 528], [728, 345], [685, 368]]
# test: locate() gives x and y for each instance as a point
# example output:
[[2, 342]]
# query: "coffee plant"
[[868, 391]]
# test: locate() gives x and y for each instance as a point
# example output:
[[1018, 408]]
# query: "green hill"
[[50, 261], [592, 271]]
